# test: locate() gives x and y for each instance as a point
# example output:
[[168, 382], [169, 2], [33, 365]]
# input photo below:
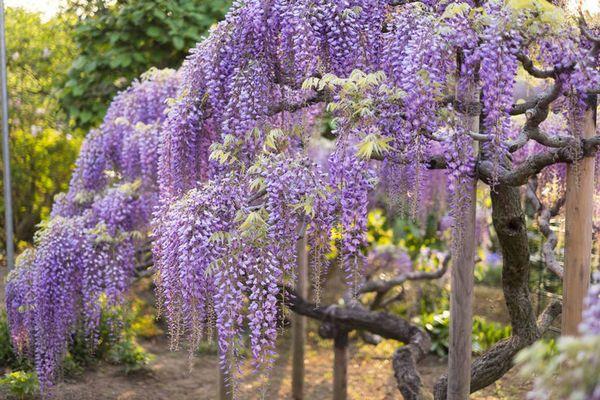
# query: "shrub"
[[485, 333], [568, 369], [21, 384], [130, 355]]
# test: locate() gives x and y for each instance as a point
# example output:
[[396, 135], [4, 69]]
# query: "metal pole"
[[8, 215]]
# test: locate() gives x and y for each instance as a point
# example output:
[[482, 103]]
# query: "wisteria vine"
[[233, 184]]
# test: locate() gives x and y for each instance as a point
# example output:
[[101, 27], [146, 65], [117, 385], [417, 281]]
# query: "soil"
[[176, 376], [169, 377]]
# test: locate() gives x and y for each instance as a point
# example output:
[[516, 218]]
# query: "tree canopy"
[[43, 147], [117, 41]]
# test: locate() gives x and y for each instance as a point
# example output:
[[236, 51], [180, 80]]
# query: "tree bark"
[[510, 226], [509, 222], [299, 323], [578, 229]]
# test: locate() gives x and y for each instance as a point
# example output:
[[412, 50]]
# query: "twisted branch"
[[545, 215]]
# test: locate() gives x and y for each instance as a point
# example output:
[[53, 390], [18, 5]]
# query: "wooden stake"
[[462, 280], [578, 229], [299, 323], [340, 366]]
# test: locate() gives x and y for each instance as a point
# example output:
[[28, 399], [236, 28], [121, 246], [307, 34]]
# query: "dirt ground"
[[170, 378], [174, 376]]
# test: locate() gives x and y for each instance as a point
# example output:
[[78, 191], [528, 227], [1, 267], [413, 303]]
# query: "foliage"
[[23, 385], [142, 320], [119, 329], [43, 149], [6, 351], [488, 271], [42, 163], [378, 232], [207, 347], [117, 41], [568, 368], [485, 334], [129, 354], [415, 238]]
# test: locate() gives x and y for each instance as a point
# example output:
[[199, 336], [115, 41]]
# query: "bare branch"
[[401, 2], [385, 286], [538, 107], [519, 175], [479, 137], [353, 318], [555, 141], [509, 221], [533, 70], [519, 142], [545, 214]]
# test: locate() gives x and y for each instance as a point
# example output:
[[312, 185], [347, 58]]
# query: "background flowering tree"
[[411, 87]]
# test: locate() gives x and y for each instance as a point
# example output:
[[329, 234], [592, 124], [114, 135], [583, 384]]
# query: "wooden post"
[[462, 276], [299, 323], [340, 366], [578, 229], [8, 211]]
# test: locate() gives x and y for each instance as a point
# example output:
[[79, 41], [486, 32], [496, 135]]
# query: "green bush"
[[119, 328], [117, 344], [7, 355], [129, 354], [485, 333], [208, 348], [118, 40], [43, 148], [21, 384], [488, 274]]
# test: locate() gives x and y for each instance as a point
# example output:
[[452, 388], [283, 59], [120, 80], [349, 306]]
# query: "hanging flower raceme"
[[84, 257], [19, 302]]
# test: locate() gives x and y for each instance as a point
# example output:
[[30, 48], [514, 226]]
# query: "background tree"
[[42, 147], [119, 40]]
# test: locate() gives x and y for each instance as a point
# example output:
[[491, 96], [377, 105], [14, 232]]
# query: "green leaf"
[[373, 144], [154, 31], [253, 222], [178, 42]]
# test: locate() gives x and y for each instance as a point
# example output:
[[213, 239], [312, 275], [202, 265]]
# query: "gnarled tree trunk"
[[509, 222]]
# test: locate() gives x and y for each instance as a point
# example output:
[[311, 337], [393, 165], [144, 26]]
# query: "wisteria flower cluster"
[[397, 81]]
